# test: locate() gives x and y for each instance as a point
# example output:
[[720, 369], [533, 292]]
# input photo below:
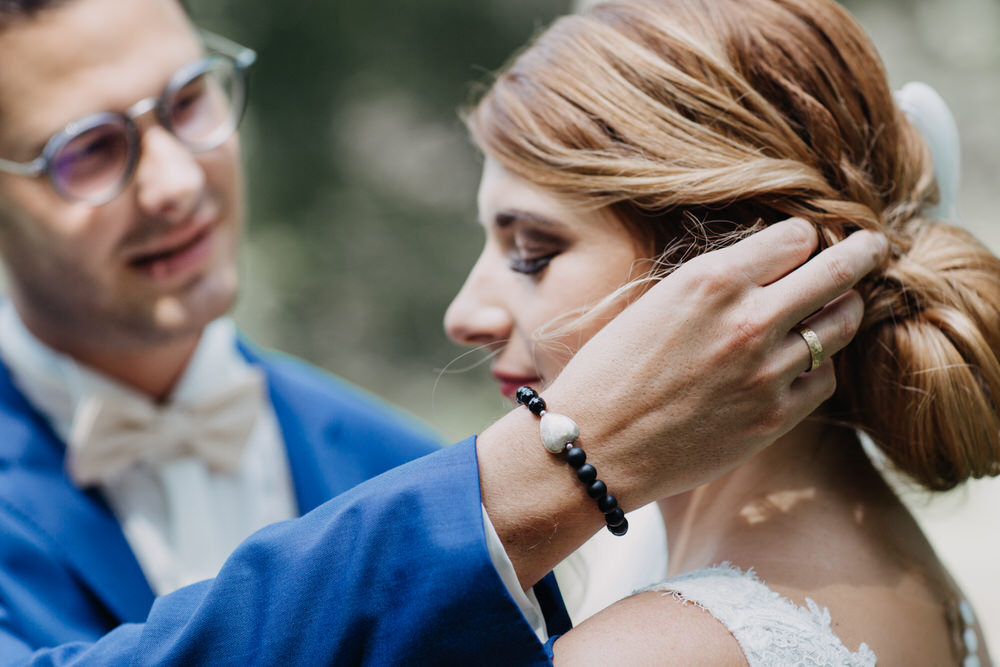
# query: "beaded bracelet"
[[559, 434]]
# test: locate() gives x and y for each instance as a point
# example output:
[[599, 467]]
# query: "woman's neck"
[[817, 522], [796, 485]]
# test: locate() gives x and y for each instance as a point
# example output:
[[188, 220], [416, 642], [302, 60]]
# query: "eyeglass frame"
[[242, 57]]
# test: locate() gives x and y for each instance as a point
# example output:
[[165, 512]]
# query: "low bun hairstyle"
[[922, 376], [698, 121]]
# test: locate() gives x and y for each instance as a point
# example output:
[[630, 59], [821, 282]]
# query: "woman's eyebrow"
[[506, 218]]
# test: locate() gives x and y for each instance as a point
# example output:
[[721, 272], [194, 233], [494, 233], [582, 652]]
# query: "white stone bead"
[[971, 661], [557, 430]]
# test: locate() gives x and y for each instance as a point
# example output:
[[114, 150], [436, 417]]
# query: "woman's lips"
[[510, 383]]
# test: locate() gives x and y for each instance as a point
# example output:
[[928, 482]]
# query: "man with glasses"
[[121, 209], [142, 440]]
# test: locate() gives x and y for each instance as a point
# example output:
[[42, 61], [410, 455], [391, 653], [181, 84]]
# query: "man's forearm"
[[540, 511]]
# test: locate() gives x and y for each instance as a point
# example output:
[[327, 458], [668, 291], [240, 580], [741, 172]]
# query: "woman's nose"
[[477, 315]]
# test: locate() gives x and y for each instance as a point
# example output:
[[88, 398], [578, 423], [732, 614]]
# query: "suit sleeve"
[[393, 572]]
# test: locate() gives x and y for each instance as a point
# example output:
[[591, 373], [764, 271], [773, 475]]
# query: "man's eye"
[[532, 265]]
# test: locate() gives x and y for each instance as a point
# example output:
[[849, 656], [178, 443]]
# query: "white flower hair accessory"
[[929, 113]]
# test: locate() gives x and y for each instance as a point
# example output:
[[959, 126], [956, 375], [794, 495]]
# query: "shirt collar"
[[55, 383]]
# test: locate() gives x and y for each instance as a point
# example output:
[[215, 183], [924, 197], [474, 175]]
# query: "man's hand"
[[705, 370], [698, 375]]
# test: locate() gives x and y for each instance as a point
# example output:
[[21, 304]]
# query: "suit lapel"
[[79, 524], [82, 527], [307, 426]]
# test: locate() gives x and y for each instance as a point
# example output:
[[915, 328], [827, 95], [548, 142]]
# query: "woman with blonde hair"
[[642, 133]]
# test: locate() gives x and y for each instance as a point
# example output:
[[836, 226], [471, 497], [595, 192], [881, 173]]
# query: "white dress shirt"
[[181, 519]]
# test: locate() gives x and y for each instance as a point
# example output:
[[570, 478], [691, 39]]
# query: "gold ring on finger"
[[816, 354]]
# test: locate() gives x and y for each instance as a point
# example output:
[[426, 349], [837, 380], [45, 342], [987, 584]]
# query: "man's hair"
[[24, 6], [11, 10], [14, 9]]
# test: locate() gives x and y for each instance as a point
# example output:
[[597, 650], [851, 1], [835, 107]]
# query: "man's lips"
[[177, 239], [179, 253]]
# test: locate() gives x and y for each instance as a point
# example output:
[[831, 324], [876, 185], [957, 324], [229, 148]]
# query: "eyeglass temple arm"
[[32, 168], [243, 55]]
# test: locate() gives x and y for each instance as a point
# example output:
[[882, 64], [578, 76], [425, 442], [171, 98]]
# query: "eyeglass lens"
[[94, 161], [202, 112]]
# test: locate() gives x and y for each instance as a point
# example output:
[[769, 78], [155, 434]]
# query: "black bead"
[[536, 405], [615, 517], [607, 502], [597, 489], [576, 457], [525, 394], [619, 530], [586, 473]]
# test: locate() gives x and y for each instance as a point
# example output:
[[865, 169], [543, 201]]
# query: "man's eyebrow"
[[508, 217]]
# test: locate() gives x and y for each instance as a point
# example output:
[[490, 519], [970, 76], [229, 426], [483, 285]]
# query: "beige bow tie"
[[110, 434]]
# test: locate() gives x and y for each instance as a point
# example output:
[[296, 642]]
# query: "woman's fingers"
[[833, 327], [826, 276]]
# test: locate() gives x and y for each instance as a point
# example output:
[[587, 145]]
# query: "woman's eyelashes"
[[531, 265], [531, 250], [531, 240]]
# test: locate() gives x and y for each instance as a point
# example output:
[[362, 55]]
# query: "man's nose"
[[169, 179]]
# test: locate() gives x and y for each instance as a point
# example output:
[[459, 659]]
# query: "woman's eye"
[[531, 265]]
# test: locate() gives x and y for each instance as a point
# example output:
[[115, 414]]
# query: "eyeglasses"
[[92, 159]]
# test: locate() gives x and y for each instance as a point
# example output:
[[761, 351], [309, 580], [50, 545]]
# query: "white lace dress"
[[771, 630]]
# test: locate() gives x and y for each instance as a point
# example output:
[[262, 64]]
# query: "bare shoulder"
[[650, 628]]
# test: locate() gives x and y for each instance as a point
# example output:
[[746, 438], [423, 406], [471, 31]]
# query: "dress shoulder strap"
[[770, 629]]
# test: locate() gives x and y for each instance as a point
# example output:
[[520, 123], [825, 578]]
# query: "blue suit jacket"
[[396, 572]]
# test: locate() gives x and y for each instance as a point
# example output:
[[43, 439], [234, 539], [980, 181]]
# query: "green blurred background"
[[362, 185], [362, 189], [363, 181]]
